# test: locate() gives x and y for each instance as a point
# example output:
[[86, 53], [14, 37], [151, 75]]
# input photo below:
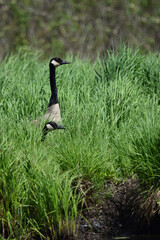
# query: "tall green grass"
[[111, 112]]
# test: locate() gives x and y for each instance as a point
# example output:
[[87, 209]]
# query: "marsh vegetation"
[[110, 109]]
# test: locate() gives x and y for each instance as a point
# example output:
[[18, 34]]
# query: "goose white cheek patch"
[[49, 127], [55, 63]]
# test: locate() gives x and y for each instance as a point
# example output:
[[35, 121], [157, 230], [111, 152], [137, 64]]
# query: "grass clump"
[[110, 109]]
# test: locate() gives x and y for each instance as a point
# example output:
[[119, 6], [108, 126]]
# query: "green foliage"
[[132, 98], [111, 113]]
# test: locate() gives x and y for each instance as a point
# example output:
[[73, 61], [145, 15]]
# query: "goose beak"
[[60, 127], [65, 62]]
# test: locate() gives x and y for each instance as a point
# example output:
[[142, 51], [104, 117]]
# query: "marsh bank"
[[130, 212]]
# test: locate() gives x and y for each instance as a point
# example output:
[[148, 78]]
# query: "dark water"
[[137, 237]]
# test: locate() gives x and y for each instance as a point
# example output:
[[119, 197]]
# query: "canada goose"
[[50, 126], [53, 114]]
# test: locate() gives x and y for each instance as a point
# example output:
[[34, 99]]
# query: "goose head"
[[57, 62], [50, 126]]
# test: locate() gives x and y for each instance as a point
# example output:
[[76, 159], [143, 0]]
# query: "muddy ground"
[[125, 208]]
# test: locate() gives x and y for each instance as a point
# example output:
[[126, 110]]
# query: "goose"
[[53, 115]]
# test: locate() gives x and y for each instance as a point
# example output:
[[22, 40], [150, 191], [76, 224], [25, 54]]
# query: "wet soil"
[[125, 208]]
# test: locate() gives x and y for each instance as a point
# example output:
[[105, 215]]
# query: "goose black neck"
[[44, 133], [54, 98]]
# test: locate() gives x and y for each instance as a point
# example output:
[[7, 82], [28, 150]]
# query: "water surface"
[[137, 237]]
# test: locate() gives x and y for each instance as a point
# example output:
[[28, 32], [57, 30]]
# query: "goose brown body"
[[53, 113]]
